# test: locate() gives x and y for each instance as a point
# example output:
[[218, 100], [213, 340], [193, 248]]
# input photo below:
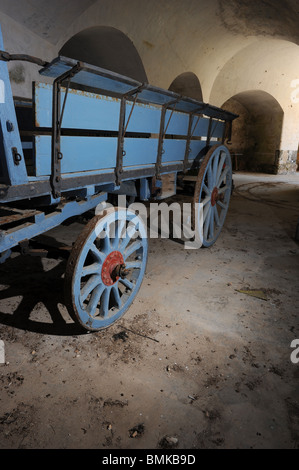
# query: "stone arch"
[[256, 134], [187, 84], [108, 48]]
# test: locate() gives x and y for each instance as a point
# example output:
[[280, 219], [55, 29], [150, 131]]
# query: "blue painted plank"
[[80, 154], [178, 124], [217, 129], [174, 150], [202, 128], [82, 111], [140, 152], [196, 146], [83, 154], [145, 118]]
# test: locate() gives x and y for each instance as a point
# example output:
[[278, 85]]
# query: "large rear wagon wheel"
[[106, 268], [213, 190]]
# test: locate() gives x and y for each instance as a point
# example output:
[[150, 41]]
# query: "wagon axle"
[[114, 268], [215, 197]]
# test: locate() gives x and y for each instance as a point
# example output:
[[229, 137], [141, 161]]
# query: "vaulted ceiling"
[[274, 18], [47, 18]]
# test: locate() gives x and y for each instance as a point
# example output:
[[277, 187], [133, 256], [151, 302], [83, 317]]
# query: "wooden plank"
[[174, 150], [82, 111], [202, 128], [178, 124], [82, 154], [140, 152]]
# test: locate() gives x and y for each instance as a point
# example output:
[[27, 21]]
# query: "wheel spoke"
[[100, 257], [134, 265], [217, 219], [118, 232], [207, 223], [106, 243], [206, 200], [91, 284], [206, 189], [104, 307], [129, 285], [131, 230], [215, 167], [211, 225], [132, 248], [223, 176], [223, 190], [94, 268], [210, 178], [220, 168], [206, 211], [222, 205], [116, 296], [95, 299]]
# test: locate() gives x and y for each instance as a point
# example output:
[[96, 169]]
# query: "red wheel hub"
[[112, 262], [214, 197]]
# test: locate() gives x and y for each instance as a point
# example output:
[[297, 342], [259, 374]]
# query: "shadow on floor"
[[26, 278]]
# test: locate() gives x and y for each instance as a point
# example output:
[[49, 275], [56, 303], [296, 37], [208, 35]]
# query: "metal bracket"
[[123, 126], [57, 117], [209, 132], [162, 133], [121, 140], [227, 133], [190, 135]]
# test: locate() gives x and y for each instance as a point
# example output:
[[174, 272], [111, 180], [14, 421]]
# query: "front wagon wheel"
[[106, 268]]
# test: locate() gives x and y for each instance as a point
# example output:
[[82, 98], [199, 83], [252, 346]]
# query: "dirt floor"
[[193, 360]]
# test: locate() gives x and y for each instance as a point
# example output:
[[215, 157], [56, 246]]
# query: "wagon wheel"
[[106, 268], [213, 190]]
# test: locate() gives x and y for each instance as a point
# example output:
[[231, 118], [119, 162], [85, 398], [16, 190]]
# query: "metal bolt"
[[9, 126]]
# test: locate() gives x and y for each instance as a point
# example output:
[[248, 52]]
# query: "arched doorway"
[[187, 84], [108, 48], [256, 134]]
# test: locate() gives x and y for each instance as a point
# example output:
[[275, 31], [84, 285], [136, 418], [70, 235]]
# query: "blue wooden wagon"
[[90, 134]]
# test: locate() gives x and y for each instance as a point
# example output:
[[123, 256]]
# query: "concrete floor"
[[196, 361]]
